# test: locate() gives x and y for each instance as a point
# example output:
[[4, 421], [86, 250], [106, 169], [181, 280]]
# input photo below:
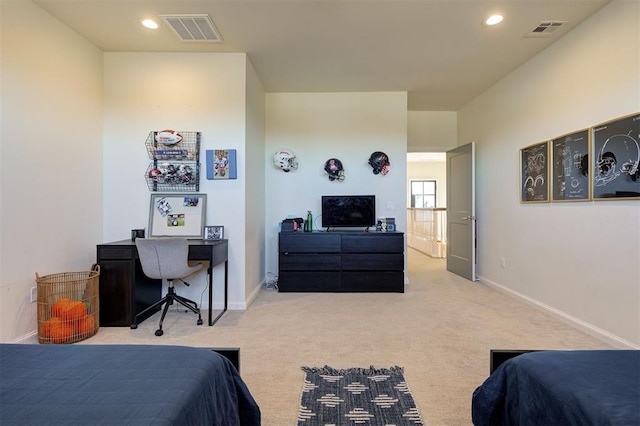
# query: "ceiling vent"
[[199, 28], [545, 28]]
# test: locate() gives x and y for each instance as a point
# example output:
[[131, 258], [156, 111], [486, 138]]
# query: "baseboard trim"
[[588, 328]]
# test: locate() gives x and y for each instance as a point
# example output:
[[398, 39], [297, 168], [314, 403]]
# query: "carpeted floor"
[[440, 331]]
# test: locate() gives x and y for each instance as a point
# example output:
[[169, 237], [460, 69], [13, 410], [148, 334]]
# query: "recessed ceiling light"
[[149, 23], [493, 20]]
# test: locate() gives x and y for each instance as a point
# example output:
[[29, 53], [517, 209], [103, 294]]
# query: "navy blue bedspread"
[[562, 388], [121, 385]]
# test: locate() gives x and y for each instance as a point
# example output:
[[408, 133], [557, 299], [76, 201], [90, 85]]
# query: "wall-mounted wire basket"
[[175, 166], [173, 176]]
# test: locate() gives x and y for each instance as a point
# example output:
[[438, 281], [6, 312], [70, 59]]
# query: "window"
[[423, 193]]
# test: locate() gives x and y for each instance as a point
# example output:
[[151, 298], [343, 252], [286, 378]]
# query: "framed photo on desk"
[[213, 233], [177, 215]]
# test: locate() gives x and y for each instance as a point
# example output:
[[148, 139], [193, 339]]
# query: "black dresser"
[[341, 262]]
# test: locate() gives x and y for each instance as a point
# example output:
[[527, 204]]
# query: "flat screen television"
[[348, 211]]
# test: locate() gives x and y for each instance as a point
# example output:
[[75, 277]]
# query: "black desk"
[[125, 290]]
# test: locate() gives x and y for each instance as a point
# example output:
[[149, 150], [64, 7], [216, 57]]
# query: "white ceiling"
[[436, 50]]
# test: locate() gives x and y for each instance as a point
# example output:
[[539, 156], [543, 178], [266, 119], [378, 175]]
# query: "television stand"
[[341, 261]]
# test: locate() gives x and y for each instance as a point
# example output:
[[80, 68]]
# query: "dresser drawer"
[[309, 281], [372, 281], [373, 243], [372, 262], [300, 242], [309, 262]]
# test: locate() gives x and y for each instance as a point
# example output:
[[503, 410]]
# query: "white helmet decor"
[[285, 159]]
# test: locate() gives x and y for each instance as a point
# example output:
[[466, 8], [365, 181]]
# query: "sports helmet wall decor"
[[285, 160], [334, 169], [380, 163]]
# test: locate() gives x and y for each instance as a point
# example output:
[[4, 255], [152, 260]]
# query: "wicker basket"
[[68, 306]]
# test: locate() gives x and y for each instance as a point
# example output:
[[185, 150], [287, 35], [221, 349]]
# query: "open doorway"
[[427, 203]]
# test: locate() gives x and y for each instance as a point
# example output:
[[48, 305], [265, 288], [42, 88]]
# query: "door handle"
[[469, 218]]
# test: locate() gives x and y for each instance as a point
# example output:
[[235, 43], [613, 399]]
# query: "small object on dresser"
[[386, 224], [391, 224], [292, 224], [308, 225]]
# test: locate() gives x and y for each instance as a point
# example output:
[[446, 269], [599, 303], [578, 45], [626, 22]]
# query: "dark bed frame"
[[232, 354], [498, 356]]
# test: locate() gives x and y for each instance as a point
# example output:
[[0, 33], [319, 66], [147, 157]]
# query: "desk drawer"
[[115, 252]]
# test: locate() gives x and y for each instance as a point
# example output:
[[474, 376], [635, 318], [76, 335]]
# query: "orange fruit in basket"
[[48, 325], [73, 310], [86, 325], [60, 332], [56, 309]]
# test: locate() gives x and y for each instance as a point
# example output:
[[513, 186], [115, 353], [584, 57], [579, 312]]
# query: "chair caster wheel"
[[199, 321], [134, 326], [159, 333]]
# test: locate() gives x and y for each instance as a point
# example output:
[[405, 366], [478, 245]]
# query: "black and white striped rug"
[[356, 396]]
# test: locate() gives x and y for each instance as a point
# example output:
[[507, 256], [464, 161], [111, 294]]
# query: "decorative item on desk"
[[213, 233], [137, 233], [221, 164], [308, 225]]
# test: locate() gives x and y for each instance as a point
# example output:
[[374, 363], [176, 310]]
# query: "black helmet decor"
[[380, 163], [334, 169]]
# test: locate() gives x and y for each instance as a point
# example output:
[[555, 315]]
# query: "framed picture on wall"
[[177, 215], [221, 164], [534, 173], [570, 179], [616, 158]]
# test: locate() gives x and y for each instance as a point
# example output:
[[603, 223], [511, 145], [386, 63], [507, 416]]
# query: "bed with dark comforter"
[[562, 388], [121, 384]]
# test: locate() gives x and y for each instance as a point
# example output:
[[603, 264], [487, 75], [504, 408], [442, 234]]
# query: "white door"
[[461, 219]]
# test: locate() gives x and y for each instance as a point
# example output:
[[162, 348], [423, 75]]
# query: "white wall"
[[51, 157], [431, 131], [347, 126], [579, 260], [254, 189], [190, 92]]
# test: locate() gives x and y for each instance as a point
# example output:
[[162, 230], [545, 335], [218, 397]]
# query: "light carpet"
[[440, 331]]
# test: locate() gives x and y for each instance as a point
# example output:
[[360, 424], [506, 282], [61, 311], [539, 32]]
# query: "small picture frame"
[[213, 233]]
